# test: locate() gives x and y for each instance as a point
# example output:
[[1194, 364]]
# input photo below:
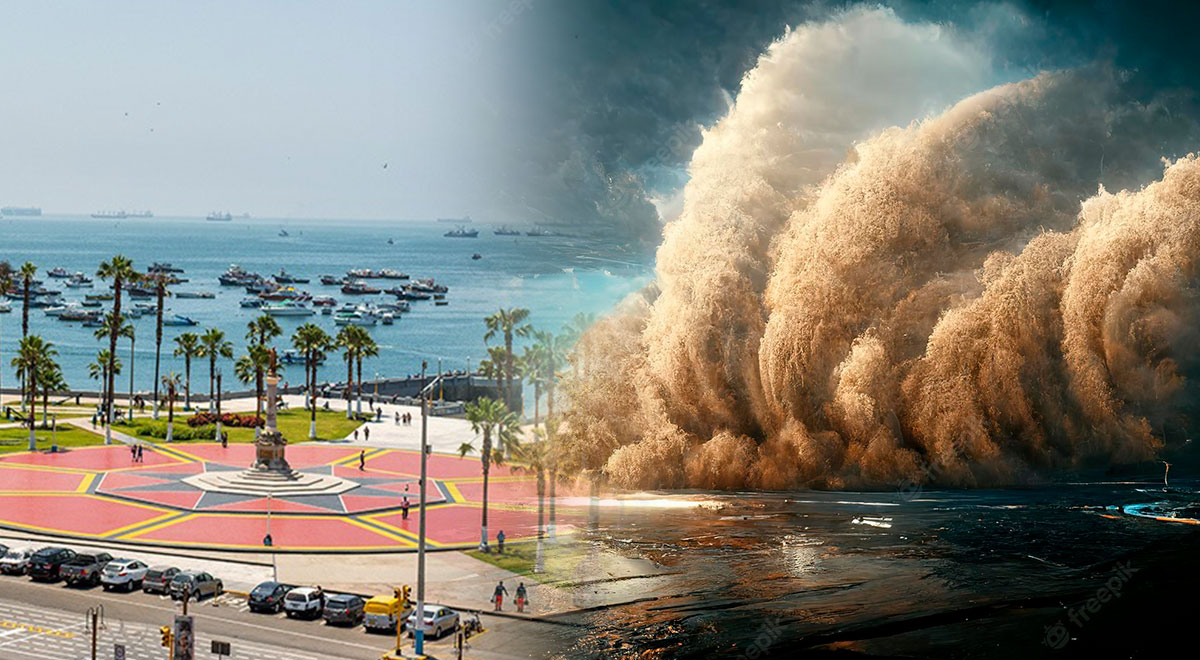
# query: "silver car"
[[197, 584], [439, 620], [16, 561]]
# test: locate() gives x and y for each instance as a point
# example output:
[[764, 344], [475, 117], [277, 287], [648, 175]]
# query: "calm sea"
[[554, 277]]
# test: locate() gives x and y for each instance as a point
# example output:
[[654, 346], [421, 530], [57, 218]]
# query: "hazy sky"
[[271, 108]]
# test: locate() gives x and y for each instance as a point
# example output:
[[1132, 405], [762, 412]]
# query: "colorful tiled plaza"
[[100, 493]]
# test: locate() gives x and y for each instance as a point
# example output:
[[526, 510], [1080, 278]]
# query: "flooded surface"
[[926, 574]]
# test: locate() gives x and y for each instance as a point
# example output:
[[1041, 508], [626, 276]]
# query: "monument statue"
[[271, 445]]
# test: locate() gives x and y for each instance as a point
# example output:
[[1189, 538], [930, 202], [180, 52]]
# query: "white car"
[[304, 602], [438, 621], [125, 573], [16, 561]]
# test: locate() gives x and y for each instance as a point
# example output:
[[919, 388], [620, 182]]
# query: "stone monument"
[[270, 473]]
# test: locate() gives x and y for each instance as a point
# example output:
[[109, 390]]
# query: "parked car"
[[343, 609], [382, 613], [3, 549], [158, 579], [267, 597], [197, 583], [84, 569], [125, 573], [307, 602], [46, 564], [438, 621], [15, 561]]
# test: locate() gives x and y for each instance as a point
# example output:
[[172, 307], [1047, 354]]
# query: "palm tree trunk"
[[112, 354], [170, 413], [360, 384], [187, 393], [24, 334], [312, 394], [212, 380], [131, 378], [31, 381], [487, 452], [508, 370], [158, 345], [349, 386]]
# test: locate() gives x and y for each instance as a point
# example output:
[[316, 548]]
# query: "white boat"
[[195, 294], [388, 318], [353, 318], [176, 319], [79, 283], [5, 307], [59, 310], [287, 308], [253, 302]]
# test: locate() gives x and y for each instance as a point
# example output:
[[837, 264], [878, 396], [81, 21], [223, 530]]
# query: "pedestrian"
[[140, 454], [397, 418], [93, 420], [498, 596], [404, 509], [356, 435], [522, 597], [224, 440], [133, 453], [500, 541], [362, 460], [367, 433]]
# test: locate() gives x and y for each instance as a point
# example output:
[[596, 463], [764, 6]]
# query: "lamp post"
[[419, 634], [218, 397]]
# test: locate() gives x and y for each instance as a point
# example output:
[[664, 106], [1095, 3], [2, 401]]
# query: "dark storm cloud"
[[614, 94]]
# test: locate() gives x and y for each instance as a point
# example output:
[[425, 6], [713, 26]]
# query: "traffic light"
[[166, 635], [407, 592]]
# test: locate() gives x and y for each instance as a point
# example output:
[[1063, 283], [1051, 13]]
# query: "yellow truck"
[[383, 612]]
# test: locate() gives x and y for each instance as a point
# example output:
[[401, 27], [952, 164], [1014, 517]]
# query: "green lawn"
[[292, 423], [560, 559], [17, 439]]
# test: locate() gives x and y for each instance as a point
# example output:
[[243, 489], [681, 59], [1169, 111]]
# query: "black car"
[[46, 564], [268, 597], [84, 570]]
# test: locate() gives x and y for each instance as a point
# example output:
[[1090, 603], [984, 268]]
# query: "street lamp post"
[[419, 635]]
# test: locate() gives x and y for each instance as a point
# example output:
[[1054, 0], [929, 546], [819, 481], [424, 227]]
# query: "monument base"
[[270, 482]]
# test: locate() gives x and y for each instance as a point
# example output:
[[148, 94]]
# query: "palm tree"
[[534, 457], [6, 275], [32, 355], [508, 323], [532, 367], [250, 368], [120, 270], [160, 280], [187, 345], [213, 345], [367, 348], [111, 327], [554, 349], [312, 342], [50, 379], [171, 383], [98, 370], [492, 420], [28, 270], [263, 329], [348, 340]]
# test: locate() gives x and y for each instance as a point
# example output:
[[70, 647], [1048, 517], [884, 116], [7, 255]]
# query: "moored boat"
[[287, 308], [176, 319], [195, 294], [359, 288], [58, 272]]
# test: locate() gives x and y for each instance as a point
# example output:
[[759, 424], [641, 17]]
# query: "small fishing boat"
[[354, 318], [91, 303], [207, 295], [476, 257], [505, 230], [330, 280], [5, 307], [392, 274], [58, 272], [462, 232], [387, 318], [359, 288], [441, 303], [284, 233], [253, 302], [93, 322], [99, 296], [391, 242], [323, 301], [78, 282], [146, 308], [291, 356], [283, 277], [78, 315], [411, 294], [163, 267], [176, 319]]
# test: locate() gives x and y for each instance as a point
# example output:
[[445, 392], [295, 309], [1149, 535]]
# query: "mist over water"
[[960, 300]]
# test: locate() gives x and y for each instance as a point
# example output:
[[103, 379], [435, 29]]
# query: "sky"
[[269, 108]]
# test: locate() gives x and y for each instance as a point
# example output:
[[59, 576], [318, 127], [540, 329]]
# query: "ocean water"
[[554, 277]]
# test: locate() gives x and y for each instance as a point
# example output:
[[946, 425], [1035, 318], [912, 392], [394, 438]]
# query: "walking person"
[[356, 435], [133, 453], [500, 541], [397, 418], [404, 508], [522, 597], [141, 449], [366, 433], [498, 596], [362, 460]]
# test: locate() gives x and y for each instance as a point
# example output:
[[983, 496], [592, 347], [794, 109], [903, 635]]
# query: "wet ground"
[[1057, 571]]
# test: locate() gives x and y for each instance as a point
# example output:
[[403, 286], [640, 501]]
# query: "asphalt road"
[[41, 621]]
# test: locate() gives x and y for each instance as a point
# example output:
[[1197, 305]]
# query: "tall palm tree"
[[367, 348], [508, 323], [160, 280], [534, 457], [492, 420], [187, 345], [6, 281], [263, 329], [119, 269], [553, 349], [213, 345], [250, 368], [531, 365], [28, 270], [171, 383], [32, 355], [311, 341], [111, 327], [348, 340]]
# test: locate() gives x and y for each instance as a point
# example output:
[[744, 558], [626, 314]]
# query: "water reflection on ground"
[[925, 574]]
